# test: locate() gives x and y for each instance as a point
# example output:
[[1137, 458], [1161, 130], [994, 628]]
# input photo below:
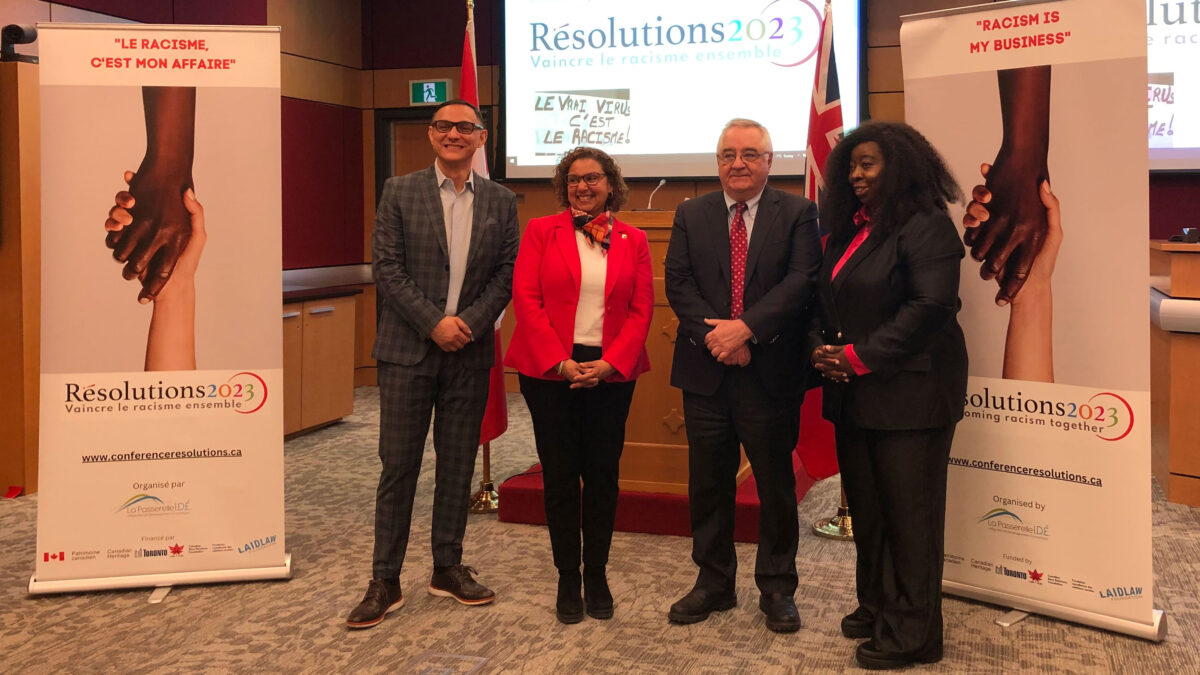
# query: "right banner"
[[1039, 109]]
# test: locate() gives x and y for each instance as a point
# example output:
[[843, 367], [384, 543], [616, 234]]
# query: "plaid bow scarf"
[[596, 230]]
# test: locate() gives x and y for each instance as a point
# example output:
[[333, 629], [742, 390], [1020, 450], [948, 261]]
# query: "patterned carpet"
[[298, 625]]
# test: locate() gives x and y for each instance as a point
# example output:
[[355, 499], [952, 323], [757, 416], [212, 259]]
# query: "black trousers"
[[741, 413], [579, 435], [895, 485]]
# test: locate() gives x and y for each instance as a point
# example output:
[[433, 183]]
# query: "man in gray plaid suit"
[[444, 246]]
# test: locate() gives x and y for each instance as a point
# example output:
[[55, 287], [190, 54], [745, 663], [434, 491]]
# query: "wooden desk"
[[655, 458], [1175, 369]]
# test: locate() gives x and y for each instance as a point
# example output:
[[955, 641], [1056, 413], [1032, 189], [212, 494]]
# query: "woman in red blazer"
[[583, 296]]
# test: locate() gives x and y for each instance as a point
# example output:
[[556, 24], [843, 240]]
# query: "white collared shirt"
[[458, 209], [748, 216]]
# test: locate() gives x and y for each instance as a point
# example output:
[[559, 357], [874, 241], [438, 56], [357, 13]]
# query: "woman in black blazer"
[[895, 367]]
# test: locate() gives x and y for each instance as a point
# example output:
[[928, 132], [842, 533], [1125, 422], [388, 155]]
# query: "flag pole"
[[486, 499], [826, 102]]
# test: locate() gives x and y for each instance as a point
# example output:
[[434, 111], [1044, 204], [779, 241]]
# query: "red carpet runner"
[[654, 513]]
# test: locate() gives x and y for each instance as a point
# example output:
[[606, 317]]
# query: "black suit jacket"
[[781, 266], [412, 268], [896, 301]]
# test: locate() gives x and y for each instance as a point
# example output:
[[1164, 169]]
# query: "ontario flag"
[[817, 448], [495, 416], [825, 115]]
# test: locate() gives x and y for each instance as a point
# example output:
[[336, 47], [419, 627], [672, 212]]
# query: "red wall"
[[322, 184], [217, 12], [1174, 203], [426, 34]]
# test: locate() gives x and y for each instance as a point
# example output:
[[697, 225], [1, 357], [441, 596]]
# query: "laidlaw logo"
[[256, 544], [1121, 592]]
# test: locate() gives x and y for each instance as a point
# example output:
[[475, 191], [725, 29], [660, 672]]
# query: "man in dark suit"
[[740, 273], [444, 245]]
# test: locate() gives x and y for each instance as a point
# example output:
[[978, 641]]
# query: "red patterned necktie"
[[737, 258]]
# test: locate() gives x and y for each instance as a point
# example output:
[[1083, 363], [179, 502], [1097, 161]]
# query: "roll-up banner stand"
[[161, 437], [1049, 505]]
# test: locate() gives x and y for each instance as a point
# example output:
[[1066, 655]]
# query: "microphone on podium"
[[650, 200]]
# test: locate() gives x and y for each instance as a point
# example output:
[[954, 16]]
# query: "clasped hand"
[[587, 374], [155, 254], [150, 237], [727, 341], [1005, 224], [833, 364], [451, 334]]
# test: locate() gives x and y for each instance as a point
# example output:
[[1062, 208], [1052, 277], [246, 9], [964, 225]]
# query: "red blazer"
[[546, 291]]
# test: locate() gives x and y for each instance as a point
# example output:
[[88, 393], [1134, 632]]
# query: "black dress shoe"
[[596, 595], [381, 598], [782, 616], [699, 603], [873, 659], [858, 624], [569, 606], [457, 582]]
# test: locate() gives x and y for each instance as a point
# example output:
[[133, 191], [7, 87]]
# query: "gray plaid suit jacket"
[[412, 268]]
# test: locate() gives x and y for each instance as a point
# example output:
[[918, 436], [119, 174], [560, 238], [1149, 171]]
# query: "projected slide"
[[652, 82], [1173, 88]]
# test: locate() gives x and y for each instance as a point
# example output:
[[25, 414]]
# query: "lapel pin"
[[624, 236]]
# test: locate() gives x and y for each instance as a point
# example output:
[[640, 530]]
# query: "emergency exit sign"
[[428, 92]]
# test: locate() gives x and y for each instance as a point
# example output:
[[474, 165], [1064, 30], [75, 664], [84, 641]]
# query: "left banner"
[[161, 434]]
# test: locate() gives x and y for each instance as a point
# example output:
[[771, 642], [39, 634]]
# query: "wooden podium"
[[1174, 365], [655, 458]]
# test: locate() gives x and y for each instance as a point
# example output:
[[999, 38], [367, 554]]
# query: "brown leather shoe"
[[456, 582], [381, 598]]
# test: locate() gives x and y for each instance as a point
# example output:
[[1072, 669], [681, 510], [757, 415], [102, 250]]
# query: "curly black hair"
[[620, 191], [914, 180]]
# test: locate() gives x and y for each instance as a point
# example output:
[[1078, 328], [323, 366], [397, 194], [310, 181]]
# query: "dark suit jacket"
[[896, 300], [412, 268], [781, 267], [546, 294]]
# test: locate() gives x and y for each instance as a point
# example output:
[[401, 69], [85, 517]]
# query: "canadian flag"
[[60, 556], [495, 417]]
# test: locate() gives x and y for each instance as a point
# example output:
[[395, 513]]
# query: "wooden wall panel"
[[323, 30], [20, 274]]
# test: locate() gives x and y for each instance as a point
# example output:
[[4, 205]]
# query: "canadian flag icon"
[[60, 556]]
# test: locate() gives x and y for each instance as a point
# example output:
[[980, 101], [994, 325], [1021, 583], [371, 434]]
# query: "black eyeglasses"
[[591, 179], [464, 128], [748, 156]]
